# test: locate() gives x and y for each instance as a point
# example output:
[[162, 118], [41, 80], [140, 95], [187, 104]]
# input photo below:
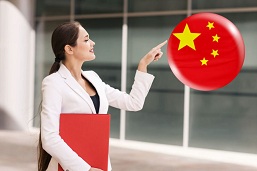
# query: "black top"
[[95, 98], [96, 102]]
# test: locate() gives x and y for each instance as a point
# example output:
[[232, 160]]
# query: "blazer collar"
[[75, 86], [64, 72]]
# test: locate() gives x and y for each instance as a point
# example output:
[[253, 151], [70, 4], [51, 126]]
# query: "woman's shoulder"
[[54, 77], [52, 83], [93, 77], [91, 73]]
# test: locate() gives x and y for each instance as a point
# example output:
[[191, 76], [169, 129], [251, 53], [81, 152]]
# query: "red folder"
[[87, 135]]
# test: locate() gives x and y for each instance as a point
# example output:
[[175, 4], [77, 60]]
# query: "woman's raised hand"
[[153, 55]]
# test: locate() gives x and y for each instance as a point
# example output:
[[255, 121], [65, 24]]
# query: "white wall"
[[17, 42]]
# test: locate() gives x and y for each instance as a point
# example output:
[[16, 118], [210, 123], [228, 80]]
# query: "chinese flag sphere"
[[205, 51]]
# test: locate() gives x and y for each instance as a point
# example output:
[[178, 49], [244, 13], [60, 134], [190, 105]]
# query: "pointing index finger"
[[161, 45]]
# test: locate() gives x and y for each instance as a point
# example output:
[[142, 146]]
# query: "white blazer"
[[61, 93]]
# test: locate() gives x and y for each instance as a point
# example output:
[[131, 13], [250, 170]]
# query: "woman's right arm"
[[51, 140]]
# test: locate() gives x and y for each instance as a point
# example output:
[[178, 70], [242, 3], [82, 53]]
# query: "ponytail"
[[55, 67], [44, 158]]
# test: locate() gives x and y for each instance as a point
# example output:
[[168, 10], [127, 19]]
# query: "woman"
[[68, 89]]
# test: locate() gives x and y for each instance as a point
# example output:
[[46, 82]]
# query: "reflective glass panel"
[[156, 5], [98, 6], [161, 119], [202, 4], [52, 7]]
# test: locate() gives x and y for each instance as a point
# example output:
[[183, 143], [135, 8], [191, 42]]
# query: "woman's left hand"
[[153, 55]]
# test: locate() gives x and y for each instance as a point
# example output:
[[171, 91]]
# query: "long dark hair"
[[64, 34]]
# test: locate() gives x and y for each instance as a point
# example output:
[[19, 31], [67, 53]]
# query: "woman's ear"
[[68, 49]]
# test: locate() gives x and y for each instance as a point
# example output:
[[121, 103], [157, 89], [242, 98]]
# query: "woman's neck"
[[74, 68]]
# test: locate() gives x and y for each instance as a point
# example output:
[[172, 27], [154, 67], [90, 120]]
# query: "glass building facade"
[[124, 31]]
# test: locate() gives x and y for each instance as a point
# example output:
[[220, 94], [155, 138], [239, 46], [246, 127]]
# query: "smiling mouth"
[[92, 51]]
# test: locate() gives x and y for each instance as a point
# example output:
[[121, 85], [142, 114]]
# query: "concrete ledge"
[[18, 152]]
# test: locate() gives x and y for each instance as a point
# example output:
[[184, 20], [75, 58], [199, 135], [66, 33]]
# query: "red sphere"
[[206, 51]]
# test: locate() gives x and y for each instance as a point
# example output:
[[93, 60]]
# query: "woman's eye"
[[86, 40]]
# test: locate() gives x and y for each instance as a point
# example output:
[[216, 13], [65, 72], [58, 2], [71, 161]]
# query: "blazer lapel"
[[98, 88], [74, 85]]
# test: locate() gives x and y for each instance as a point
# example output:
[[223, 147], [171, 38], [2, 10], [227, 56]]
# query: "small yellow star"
[[214, 53], [186, 38], [216, 38], [204, 61], [210, 25]]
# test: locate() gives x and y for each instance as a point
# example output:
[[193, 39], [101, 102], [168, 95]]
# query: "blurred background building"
[[218, 125]]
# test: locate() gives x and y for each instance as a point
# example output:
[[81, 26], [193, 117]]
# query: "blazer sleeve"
[[134, 101], [51, 140]]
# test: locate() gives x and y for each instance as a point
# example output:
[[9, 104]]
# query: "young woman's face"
[[84, 50]]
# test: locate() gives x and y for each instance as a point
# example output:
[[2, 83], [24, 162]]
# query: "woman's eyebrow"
[[86, 36]]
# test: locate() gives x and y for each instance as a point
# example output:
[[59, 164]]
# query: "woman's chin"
[[91, 58]]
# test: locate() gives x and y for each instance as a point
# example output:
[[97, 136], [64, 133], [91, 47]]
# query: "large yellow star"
[[216, 38], [186, 38], [210, 25], [204, 61], [214, 53]]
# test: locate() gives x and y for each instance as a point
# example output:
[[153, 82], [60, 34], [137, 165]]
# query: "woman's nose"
[[92, 42]]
